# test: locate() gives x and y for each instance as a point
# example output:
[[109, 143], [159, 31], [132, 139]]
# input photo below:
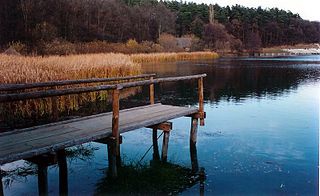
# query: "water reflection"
[[232, 79], [261, 133], [134, 179], [157, 179]]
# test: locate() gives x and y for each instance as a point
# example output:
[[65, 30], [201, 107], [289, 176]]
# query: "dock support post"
[[42, 179], [63, 172], [1, 185], [151, 91], [166, 127], [165, 144], [112, 159], [115, 146], [156, 156], [193, 144]]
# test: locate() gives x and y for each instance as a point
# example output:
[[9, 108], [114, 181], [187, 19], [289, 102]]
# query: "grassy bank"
[[179, 56], [28, 69], [21, 69]]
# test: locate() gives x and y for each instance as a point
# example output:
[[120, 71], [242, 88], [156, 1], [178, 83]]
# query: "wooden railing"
[[115, 95], [53, 85], [14, 87]]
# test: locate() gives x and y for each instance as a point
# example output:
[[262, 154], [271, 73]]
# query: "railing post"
[[151, 91], [54, 106], [115, 130], [201, 106]]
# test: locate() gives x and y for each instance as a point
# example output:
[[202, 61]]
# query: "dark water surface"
[[261, 134]]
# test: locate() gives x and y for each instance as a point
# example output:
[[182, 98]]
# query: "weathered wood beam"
[[51, 93], [13, 87], [160, 80], [198, 115], [201, 104], [112, 160], [151, 91], [165, 126], [165, 145], [156, 155], [114, 146], [115, 122], [193, 145]]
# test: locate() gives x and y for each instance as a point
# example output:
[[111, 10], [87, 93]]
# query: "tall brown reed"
[[21, 69], [174, 56]]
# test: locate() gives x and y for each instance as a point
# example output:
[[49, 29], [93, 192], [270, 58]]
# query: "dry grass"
[[21, 69], [161, 57]]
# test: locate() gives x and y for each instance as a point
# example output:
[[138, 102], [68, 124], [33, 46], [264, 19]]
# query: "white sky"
[[307, 9]]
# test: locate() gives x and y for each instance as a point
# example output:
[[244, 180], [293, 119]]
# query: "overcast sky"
[[307, 9]]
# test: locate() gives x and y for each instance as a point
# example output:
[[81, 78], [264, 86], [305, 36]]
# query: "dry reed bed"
[[161, 57], [21, 69]]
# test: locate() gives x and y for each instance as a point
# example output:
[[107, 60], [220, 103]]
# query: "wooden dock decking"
[[45, 144], [30, 142]]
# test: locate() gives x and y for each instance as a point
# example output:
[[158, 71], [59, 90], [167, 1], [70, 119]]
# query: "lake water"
[[260, 138]]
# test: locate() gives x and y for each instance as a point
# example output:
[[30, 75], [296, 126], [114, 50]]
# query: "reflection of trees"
[[234, 80]]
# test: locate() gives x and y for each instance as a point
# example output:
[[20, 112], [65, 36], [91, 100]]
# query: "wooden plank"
[[39, 144], [12, 140], [53, 125], [104, 128], [91, 124], [13, 87]]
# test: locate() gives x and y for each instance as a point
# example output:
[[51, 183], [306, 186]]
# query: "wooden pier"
[[37, 142]]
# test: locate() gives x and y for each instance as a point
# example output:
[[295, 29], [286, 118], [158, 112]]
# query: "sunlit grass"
[[22, 69], [160, 57]]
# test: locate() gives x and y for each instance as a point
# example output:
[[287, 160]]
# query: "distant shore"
[[286, 50]]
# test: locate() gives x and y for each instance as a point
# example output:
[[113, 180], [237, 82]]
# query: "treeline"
[[37, 22]]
